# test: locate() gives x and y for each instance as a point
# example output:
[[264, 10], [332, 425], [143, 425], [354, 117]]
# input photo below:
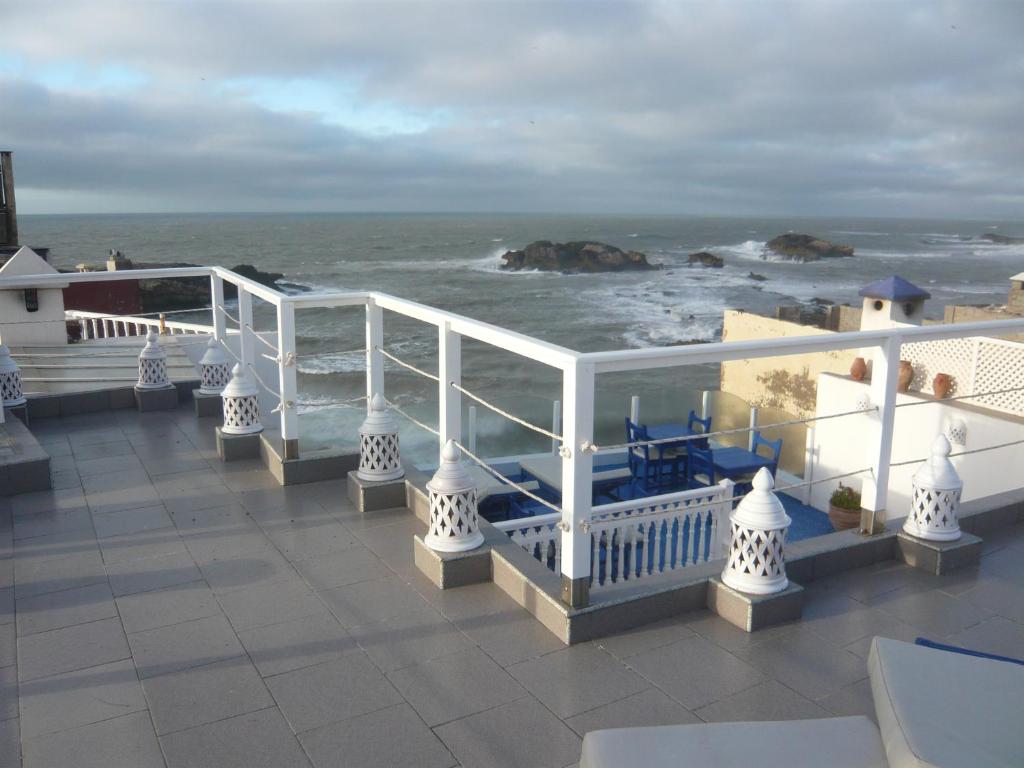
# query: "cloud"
[[646, 107]]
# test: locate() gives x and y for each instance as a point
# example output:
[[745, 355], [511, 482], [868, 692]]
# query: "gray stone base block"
[[576, 592], [447, 570], [19, 412], [753, 612], [369, 496], [310, 467], [163, 399], [235, 447], [939, 557], [207, 405], [24, 464]]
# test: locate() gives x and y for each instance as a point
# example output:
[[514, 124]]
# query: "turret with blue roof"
[[892, 302]]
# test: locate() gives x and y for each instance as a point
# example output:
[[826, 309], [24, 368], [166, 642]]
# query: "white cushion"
[[946, 710], [839, 742]]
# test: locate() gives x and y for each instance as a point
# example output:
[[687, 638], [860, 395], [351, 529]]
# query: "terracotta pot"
[[906, 376], [941, 385], [859, 369], [843, 519]]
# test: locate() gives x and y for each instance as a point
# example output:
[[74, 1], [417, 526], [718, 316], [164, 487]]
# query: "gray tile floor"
[[160, 608]]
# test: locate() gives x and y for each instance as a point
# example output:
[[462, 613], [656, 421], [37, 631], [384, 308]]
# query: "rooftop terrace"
[[162, 607]]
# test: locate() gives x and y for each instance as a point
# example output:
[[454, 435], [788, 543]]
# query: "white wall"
[[19, 327], [840, 446]]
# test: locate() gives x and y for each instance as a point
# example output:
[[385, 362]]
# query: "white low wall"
[[840, 444]]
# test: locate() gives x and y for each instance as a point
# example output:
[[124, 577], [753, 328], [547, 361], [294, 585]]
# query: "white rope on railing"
[[594, 448], [962, 453], [404, 364], [960, 397], [229, 316], [491, 470], [413, 419], [332, 403], [506, 414], [263, 384], [310, 355], [261, 339]]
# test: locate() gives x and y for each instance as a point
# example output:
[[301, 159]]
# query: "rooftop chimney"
[[8, 210]]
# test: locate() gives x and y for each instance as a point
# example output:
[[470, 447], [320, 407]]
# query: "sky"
[[713, 108]]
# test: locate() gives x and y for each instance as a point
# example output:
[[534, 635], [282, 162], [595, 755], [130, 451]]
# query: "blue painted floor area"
[[808, 522]]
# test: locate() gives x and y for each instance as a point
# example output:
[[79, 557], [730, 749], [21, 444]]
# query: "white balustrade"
[[756, 561], [379, 456], [454, 526], [241, 404], [214, 369], [152, 365], [935, 504], [11, 394]]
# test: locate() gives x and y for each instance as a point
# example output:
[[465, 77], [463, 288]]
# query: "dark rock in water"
[[757, 277], [576, 256], [1002, 239], [806, 248], [706, 259]]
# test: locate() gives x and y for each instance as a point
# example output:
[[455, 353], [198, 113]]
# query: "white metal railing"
[[578, 372], [98, 325]]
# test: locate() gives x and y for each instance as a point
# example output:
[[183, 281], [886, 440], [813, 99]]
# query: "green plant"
[[845, 497]]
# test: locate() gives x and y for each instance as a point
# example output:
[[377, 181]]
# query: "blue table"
[[666, 432], [733, 462]]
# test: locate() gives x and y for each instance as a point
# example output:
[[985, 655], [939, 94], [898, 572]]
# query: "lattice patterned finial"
[[214, 369], [453, 516], [152, 365], [935, 504], [10, 380], [756, 561], [241, 403], [379, 457]]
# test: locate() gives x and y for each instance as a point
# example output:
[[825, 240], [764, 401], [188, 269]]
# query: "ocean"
[[452, 262]]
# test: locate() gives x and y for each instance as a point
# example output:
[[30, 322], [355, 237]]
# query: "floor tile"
[[10, 747], [388, 738], [372, 601], [934, 612], [122, 741], [9, 693], [997, 635], [644, 638], [254, 739], [131, 521], [413, 638], [455, 685], [252, 607], [81, 697], [38, 577], [185, 645], [144, 574], [351, 566], [54, 522], [99, 464], [201, 695], [170, 605], [765, 701], [695, 672], [54, 610], [298, 643], [522, 734], [807, 663], [510, 636], [854, 699], [647, 708], [302, 539], [71, 648], [338, 690], [577, 679]]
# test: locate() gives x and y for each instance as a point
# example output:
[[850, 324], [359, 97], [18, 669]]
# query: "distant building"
[[33, 315]]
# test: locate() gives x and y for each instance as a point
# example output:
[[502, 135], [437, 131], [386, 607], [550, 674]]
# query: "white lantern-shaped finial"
[[11, 393], [241, 405], [935, 506], [756, 559], [379, 457], [453, 516], [152, 365], [214, 369]]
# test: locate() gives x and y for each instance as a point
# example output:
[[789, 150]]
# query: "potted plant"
[[844, 508]]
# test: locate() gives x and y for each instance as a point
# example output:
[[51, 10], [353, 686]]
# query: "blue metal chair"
[[743, 485], [646, 471], [693, 422], [700, 467]]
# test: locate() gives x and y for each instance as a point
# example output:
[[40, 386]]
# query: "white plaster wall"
[[840, 446], [20, 327]]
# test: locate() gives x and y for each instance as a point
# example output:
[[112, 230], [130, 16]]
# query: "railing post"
[[287, 379], [753, 426], [217, 304], [808, 463], [246, 343], [449, 370], [577, 466], [374, 358], [556, 424], [705, 404], [875, 489], [471, 428], [634, 409]]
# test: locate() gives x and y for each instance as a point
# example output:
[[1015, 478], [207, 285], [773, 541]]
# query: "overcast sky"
[[821, 108]]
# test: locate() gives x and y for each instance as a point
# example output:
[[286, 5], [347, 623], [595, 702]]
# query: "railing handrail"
[[712, 494]]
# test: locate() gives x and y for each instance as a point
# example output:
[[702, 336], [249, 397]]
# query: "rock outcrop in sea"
[[799, 247], [995, 239], [705, 259], [575, 256]]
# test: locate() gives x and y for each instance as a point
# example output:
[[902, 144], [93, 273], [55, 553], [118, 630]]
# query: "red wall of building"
[[115, 297]]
